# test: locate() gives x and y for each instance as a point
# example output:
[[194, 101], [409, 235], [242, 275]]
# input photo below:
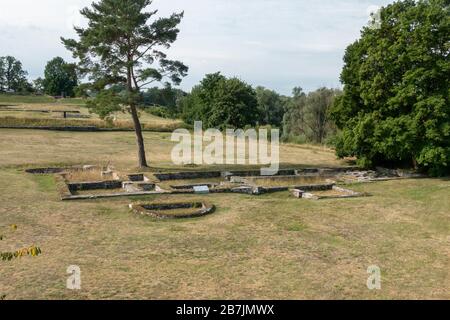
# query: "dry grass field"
[[44, 111], [268, 247], [37, 148]]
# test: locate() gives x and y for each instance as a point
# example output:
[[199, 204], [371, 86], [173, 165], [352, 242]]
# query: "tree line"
[[393, 110], [221, 102], [12, 76], [217, 101], [61, 78]]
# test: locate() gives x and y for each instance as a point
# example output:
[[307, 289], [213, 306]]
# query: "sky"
[[278, 44]]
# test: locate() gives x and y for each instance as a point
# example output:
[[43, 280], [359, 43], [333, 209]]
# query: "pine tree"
[[122, 45]]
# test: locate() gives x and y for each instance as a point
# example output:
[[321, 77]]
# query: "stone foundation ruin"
[[328, 191], [173, 210], [92, 182]]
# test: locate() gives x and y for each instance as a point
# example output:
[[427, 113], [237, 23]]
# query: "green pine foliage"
[[123, 46]]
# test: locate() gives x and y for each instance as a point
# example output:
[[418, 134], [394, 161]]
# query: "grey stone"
[[201, 189], [297, 193], [107, 174]]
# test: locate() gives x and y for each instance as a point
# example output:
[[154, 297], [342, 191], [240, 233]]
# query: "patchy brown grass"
[[288, 181], [268, 247], [30, 115], [13, 122], [329, 193], [84, 175], [37, 148]]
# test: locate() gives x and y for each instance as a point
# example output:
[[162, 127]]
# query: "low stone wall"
[[276, 189], [236, 179], [191, 186], [62, 187], [115, 195], [246, 173], [182, 191], [45, 170], [156, 210], [221, 190], [78, 116], [113, 184], [187, 175], [218, 174], [316, 187], [130, 186], [241, 189], [74, 129], [171, 206], [345, 193], [54, 170], [256, 191], [257, 173], [138, 177]]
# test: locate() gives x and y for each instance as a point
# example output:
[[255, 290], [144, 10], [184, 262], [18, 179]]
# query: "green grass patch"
[[10, 98], [7, 99], [73, 101], [296, 227], [14, 122], [45, 183]]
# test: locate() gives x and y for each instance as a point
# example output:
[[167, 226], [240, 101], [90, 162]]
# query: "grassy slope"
[[272, 246], [17, 99], [6, 99], [35, 119], [22, 147]]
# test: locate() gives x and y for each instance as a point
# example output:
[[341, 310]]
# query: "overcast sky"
[[278, 44]]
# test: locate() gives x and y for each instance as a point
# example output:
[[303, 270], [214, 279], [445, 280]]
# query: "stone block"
[[298, 193]]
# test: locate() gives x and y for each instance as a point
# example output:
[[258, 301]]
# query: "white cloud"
[[276, 43]]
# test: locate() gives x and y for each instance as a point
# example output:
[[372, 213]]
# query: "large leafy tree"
[[318, 105], [60, 78], [294, 117], [221, 103], [307, 116], [395, 107], [12, 76], [123, 45], [166, 97], [271, 107], [2, 75], [38, 85]]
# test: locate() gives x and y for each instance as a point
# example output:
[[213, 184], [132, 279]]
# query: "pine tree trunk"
[[139, 138], [137, 124]]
